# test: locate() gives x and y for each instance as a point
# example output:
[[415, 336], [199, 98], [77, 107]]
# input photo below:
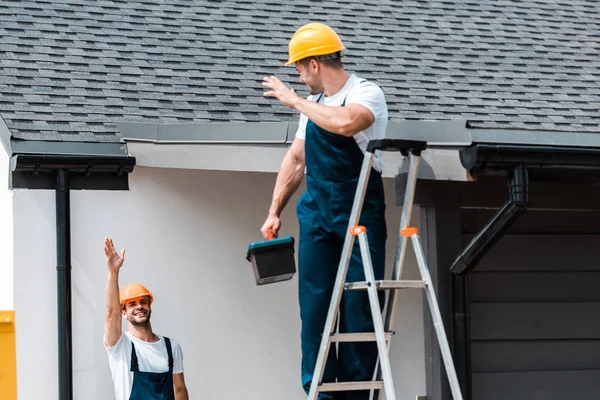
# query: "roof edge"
[[138, 131], [444, 134], [437, 134], [5, 136], [535, 137], [213, 133], [447, 133], [482, 158], [93, 165], [92, 149]]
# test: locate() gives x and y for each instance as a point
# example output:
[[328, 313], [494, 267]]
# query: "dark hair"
[[333, 60]]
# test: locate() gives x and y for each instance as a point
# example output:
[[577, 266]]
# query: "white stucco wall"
[[6, 236], [186, 233]]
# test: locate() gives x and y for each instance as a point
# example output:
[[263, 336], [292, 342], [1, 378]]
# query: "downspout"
[[518, 200], [63, 270], [516, 205], [461, 332], [63, 166]]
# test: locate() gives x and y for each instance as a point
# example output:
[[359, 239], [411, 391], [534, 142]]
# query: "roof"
[[71, 69]]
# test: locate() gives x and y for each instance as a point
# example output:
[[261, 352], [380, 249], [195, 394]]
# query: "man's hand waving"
[[114, 260], [284, 94]]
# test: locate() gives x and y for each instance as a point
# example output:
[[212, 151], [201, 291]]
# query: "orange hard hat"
[[311, 40], [134, 291]]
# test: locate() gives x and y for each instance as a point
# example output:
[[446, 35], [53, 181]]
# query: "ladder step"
[[358, 337], [387, 285], [348, 386]]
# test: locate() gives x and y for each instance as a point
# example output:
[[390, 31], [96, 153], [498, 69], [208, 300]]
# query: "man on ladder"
[[341, 115]]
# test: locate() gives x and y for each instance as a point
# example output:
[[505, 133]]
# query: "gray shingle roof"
[[71, 68]]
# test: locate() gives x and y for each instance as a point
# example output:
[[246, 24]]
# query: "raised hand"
[[114, 260], [285, 95]]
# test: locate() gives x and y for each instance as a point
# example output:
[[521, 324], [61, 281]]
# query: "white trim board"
[[438, 164]]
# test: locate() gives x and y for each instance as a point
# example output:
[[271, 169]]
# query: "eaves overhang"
[[440, 134], [482, 158], [209, 133], [92, 165], [260, 146], [81, 157]]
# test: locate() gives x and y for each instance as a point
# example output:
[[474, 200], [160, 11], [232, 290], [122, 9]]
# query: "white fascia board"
[[225, 157], [260, 147], [437, 164]]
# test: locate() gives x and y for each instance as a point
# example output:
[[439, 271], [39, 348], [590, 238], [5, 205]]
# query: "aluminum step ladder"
[[383, 380]]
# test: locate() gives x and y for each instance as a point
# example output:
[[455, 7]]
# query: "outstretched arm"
[[112, 324], [345, 121]]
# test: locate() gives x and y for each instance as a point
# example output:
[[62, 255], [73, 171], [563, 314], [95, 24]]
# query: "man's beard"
[[314, 90], [144, 323]]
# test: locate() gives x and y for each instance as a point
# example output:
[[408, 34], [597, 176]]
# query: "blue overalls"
[[152, 385], [333, 164]]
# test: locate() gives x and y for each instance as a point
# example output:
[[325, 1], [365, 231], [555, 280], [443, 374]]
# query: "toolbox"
[[272, 260]]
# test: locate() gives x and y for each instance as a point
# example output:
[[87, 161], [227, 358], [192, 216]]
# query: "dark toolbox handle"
[[404, 146]]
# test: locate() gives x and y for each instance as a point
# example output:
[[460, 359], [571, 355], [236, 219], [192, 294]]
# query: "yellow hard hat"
[[313, 39], [134, 291]]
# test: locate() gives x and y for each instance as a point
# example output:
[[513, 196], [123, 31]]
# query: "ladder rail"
[[340, 279], [437, 320], [401, 249], [382, 344], [400, 257]]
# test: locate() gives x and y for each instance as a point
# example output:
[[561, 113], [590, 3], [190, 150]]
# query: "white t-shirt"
[[152, 357], [367, 94]]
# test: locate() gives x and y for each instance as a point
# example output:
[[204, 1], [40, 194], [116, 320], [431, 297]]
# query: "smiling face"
[[309, 75], [137, 311]]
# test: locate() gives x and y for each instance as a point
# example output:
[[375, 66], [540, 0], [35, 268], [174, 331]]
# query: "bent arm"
[[346, 121], [289, 177], [180, 389], [112, 325]]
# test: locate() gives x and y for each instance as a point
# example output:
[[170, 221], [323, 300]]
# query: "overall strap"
[[169, 352], [134, 360]]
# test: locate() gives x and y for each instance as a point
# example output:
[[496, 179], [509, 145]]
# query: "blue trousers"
[[318, 258]]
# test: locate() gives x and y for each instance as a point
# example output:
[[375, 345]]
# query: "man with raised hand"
[[144, 365], [337, 120]]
